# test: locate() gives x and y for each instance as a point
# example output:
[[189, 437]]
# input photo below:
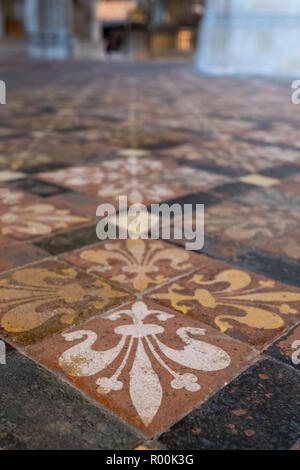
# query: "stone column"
[[2, 31], [259, 37], [95, 23], [48, 25], [95, 49]]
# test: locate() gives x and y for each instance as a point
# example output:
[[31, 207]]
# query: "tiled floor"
[[141, 344]]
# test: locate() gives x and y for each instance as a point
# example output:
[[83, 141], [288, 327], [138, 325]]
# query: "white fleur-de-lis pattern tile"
[[145, 362]]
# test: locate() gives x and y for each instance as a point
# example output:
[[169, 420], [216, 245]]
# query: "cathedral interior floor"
[[140, 343]]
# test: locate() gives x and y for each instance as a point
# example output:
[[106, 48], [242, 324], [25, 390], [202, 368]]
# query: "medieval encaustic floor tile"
[[69, 240], [19, 254], [265, 227], [9, 197], [260, 180], [249, 307], [135, 264], [24, 218], [41, 299], [82, 177], [145, 362], [287, 348], [259, 410], [261, 262], [38, 187], [8, 175], [141, 190], [227, 153]]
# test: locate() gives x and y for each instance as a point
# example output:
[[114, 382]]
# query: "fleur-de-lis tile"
[[41, 299], [37, 219], [77, 177], [262, 226], [9, 196], [244, 305], [135, 264], [142, 190], [145, 362], [82, 177]]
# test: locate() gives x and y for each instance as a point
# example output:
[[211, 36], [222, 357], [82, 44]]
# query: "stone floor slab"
[[259, 410], [40, 412], [287, 348]]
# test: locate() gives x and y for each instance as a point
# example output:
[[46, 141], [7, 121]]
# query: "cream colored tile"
[[260, 180]]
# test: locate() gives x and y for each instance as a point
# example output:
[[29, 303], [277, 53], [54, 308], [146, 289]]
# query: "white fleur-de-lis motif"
[[145, 388]]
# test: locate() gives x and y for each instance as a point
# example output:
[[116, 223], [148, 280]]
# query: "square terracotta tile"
[[76, 202], [28, 218], [270, 199], [136, 265], [267, 227], [9, 197], [247, 306], [146, 363], [77, 177], [141, 190], [19, 254], [41, 299], [227, 153], [133, 166], [82, 177], [195, 180], [291, 185]]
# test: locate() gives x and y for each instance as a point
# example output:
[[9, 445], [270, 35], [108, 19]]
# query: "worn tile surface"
[[287, 348], [259, 410], [265, 227], [19, 254], [39, 412], [135, 264], [24, 220], [74, 136], [69, 240], [148, 364], [46, 297], [242, 304]]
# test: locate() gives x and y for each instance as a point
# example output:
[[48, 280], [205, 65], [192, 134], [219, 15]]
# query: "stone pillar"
[[95, 23], [2, 31], [259, 37], [48, 25]]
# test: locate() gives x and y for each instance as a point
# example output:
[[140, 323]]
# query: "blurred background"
[[228, 36], [135, 29]]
